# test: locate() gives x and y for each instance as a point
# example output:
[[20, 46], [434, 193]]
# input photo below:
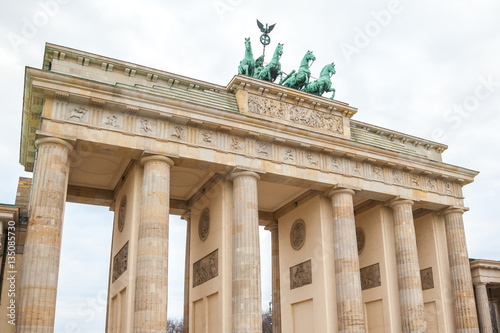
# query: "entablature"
[[89, 109]]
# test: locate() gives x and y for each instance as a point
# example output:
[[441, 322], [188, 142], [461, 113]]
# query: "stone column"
[[42, 248], [247, 312], [461, 280], [411, 299], [347, 279], [275, 252], [150, 313], [187, 268], [483, 308]]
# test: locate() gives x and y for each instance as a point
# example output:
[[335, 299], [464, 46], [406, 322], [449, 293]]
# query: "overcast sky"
[[426, 68]]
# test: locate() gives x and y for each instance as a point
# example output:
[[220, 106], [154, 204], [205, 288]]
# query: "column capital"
[[340, 190], [156, 158], [272, 226], [186, 216], [237, 174], [454, 210], [480, 284], [54, 141], [400, 201]]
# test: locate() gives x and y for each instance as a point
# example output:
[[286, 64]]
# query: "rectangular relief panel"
[[206, 268], [303, 317], [427, 278], [370, 276], [300, 274], [375, 317], [120, 262]]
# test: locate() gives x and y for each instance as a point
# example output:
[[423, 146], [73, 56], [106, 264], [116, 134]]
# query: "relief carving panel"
[[361, 239], [295, 114], [370, 276], [122, 213], [145, 126], [204, 224], [120, 262], [298, 234], [78, 113], [112, 119], [206, 268], [427, 278], [301, 274]]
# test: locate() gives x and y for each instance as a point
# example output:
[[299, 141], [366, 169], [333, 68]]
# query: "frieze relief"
[[112, 119], [207, 137], [288, 155], [312, 160], [276, 150], [263, 149], [300, 275], [295, 114], [79, 114], [206, 268], [145, 126], [177, 132], [236, 143]]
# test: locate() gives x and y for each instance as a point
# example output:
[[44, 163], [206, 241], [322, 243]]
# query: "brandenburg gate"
[[366, 223]]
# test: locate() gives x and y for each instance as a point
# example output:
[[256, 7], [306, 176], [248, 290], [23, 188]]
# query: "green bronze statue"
[[324, 83], [301, 77], [273, 69], [259, 66], [247, 65]]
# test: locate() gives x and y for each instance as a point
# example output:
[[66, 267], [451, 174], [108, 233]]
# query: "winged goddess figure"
[[264, 38]]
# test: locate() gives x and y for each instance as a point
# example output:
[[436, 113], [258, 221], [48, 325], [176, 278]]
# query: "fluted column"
[[276, 289], [461, 280], [150, 313], [483, 308], [187, 267], [247, 313], [347, 279], [42, 248], [411, 299]]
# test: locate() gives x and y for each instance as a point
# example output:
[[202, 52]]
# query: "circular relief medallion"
[[298, 234], [360, 238], [204, 224], [121, 213]]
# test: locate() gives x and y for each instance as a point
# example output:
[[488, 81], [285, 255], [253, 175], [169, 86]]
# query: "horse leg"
[[333, 95]]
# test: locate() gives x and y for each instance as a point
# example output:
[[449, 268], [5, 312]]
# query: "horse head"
[[279, 50], [328, 70], [248, 45], [331, 69], [309, 58]]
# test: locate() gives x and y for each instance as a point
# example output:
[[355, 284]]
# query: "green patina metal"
[[259, 66], [324, 83], [296, 79], [264, 38], [271, 71], [247, 65], [300, 78]]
